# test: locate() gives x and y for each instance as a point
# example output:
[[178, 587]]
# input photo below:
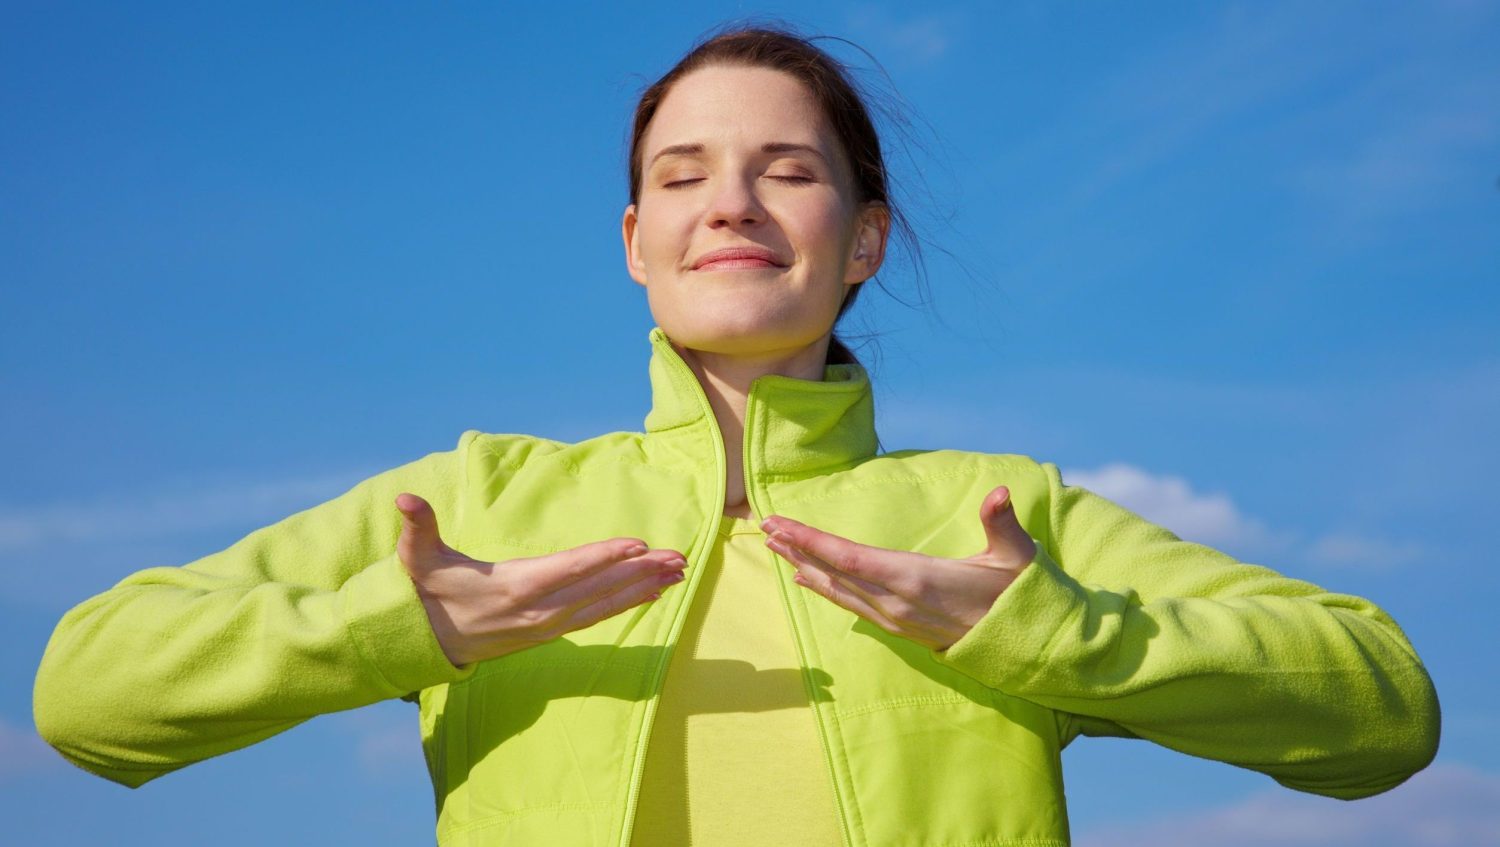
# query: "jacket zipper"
[[808, 684], [690, 588]]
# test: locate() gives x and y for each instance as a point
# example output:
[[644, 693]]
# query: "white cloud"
[[1444, 805], [1214, 519], [23, 753], [1211, 519]]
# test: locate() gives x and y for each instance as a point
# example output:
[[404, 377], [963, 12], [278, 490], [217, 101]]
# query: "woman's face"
[[742, 157]]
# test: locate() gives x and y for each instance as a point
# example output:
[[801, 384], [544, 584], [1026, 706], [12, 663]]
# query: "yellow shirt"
[[734, 755]]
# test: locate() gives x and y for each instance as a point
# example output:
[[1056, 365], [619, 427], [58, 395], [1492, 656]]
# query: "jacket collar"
[[792, 426]]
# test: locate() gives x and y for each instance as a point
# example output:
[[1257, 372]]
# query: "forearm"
[[312, 614], [171, 667], [1119, 621], [1321, 692]]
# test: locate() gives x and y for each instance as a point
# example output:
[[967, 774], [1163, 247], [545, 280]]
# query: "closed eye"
[[793, 179]]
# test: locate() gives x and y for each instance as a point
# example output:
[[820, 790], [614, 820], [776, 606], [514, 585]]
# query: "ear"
[[868, 251], [631, 234]]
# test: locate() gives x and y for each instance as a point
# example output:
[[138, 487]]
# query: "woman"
[[840, 665]]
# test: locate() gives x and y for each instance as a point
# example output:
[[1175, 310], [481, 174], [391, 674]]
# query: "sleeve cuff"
[[389, 626], [1010, 644]]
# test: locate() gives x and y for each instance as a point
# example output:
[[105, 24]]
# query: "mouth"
[[737, 265], [746, 257]]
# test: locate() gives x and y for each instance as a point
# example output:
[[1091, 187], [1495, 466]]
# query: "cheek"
[[822, 227], [663, 235]]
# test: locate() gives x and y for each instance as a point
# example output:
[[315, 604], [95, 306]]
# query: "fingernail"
[[636, 550]]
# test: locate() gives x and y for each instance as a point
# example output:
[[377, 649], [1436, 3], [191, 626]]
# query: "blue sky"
[[1232, 265]]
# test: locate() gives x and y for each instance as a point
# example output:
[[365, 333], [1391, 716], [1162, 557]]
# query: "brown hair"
[[841, 100]]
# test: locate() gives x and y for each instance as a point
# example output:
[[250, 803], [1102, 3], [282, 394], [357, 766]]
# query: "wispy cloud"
[[911, 39], [1347, 550], [1404, 121], [1460, 724], [102, 540], [23, 753], [952, 422], [1446, 805], [167, 514], [1166, 99], [1403, 162], [387, 738]]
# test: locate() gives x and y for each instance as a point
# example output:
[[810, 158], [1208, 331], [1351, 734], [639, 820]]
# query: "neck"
[[726, 380]]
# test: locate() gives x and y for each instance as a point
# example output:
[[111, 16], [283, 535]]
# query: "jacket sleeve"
[[1134, 632], [310, 615]]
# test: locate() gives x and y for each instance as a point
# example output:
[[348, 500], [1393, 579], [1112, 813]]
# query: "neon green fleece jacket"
[[1116, 628]]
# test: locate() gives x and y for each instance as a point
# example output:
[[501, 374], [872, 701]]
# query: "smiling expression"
[[740, 163]]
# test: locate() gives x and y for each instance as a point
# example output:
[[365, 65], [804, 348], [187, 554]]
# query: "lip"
[[745, 257]]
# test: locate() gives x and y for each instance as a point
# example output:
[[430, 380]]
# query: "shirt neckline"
[[730, 525]]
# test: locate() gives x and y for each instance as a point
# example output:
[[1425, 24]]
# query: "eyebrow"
[[696, 149]]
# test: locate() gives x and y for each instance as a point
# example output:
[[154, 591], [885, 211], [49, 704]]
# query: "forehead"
[[732, 105]]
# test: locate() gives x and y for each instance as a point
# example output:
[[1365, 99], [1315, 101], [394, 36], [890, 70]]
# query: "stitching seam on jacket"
[[904, 703]]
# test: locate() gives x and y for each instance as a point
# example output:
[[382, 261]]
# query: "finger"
[[1005, 538], [629, 595], [828, 584], [906, 606], [821, 581], [892, 612], [804, 560], [663, 566], [565, 567], [419, 521], [895, 570]]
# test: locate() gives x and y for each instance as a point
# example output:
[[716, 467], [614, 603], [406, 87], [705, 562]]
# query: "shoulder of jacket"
[[505, 449], [514, 450], [972, 472], [961, 460]]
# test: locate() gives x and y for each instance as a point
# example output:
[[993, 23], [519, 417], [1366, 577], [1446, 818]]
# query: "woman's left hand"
[[928, 599]]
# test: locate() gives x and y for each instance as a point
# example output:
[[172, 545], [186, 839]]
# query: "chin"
[[742, 338]]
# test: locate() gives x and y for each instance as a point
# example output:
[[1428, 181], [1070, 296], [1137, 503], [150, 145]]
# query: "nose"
[[735, 203]]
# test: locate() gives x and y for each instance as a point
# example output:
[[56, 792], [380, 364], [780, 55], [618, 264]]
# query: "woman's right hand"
[[479, 611]]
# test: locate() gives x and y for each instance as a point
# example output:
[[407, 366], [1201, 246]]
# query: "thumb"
[[419, 529], [1005, 538]]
